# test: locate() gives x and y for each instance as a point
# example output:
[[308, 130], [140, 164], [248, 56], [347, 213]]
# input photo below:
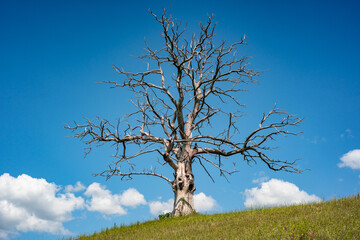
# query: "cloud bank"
[[276, 193], [31, 204]]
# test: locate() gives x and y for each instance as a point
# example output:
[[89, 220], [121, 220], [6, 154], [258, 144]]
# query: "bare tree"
[[179, 96]]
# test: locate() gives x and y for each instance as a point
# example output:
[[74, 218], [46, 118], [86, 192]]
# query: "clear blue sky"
[[53, 53]]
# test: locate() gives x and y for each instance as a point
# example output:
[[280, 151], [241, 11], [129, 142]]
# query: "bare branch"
[[128, 176]]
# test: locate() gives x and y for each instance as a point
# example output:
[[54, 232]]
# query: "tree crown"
[[174, 111]]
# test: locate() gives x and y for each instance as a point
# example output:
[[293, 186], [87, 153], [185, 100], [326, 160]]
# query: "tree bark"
[[183, 187]]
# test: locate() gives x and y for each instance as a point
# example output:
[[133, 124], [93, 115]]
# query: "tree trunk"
[[183, 187]]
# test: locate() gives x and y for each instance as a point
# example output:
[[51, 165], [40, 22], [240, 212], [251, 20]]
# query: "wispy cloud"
[[275, 193], [317, 139], [261, 177], [347, 134]]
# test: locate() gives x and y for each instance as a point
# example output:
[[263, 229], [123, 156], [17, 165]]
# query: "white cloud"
[[158, 207], [202, 203], [275, 193], [132, 198], [77, 188], [103, 201], [350, 159], [32, 204]]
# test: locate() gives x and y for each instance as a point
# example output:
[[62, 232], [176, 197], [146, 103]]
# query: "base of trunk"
[[183, 206], [184, 188]]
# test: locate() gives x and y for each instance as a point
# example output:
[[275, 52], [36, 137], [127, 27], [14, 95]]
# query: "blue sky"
[[53, 53]]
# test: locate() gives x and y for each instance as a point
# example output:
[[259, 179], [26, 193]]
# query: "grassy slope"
[[337, 219]]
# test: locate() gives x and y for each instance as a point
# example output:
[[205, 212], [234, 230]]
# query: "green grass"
[[336, 219]]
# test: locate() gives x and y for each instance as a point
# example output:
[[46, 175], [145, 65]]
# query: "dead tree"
[[179, 96]]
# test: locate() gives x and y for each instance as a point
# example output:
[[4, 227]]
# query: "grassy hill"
[[336, 219]]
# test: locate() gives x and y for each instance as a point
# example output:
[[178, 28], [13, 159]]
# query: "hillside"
[[336, 219]]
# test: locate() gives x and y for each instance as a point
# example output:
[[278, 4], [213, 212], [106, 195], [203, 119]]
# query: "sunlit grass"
[[336, 219]]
